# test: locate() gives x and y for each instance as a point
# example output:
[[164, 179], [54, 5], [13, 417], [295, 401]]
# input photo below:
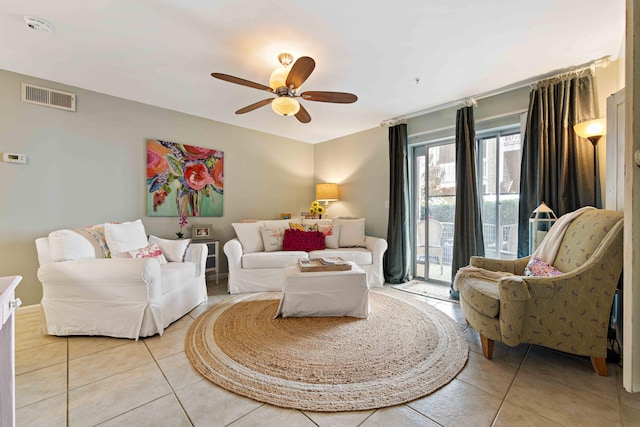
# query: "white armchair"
[[85, 293]]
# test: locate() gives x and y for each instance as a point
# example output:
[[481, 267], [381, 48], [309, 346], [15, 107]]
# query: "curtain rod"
[[472, 100], [485, 119]]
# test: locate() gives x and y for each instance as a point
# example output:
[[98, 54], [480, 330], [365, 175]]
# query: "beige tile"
[[41, 356], [571, 370], [562, 403], [41, 384], [495, 378], [220, 289], [212, 300], [178, 370], [268, 415], [398, 416], [208, 405], [631, 416], [105, 363], [33, 338], [103, 400], [511, 415], [171, 342], [459, 404], [165, 411], [81, 346], [452, 310], [502, 353], [51, 412], [182, 322], [27, 323], [339, 419], [629, 399]]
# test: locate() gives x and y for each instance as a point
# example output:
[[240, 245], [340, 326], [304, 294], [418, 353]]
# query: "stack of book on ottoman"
[[323, 264]]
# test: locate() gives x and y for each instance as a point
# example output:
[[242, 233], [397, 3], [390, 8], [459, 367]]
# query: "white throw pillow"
[[272, 238], [67, 245], [283, 223], [151, 251], [173, 250], [125, 237], [331, 235], [351, 232], [249, 235]]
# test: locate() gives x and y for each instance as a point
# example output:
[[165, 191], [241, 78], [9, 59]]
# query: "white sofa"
[[85, 293], [254, 269]]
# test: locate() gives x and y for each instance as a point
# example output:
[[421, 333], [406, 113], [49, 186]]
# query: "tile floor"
[[87, 381]]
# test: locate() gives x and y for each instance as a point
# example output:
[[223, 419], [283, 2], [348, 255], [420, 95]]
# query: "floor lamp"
[[593, 130]]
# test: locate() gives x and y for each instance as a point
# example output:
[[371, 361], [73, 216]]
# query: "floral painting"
[[184, 180]]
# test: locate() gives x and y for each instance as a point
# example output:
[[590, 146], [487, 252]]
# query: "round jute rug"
[[406, 349]]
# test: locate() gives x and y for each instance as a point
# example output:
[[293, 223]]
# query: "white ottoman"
[[325, 293]]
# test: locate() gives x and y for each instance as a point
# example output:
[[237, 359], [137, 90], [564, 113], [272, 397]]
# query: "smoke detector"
[[37, 24]]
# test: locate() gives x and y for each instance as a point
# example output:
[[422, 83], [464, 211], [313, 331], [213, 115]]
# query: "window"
[[433, 199]]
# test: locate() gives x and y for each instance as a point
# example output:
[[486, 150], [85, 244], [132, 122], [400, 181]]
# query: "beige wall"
[[359, 163], [88, 167]]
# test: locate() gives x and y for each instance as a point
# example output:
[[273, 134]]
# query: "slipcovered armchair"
[[129, 286], [569, 311]]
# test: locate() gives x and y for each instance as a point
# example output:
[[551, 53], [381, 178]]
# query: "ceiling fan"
[[285, 83]]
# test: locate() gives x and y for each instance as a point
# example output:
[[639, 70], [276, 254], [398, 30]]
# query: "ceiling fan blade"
[[302, 115], [243, 82], [255, 106], [300, 71], [336, 97]]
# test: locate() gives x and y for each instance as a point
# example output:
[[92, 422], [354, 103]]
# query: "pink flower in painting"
[[198, 153], [156, 160], [197, 176]]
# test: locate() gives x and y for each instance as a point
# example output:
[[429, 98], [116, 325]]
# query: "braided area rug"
[[406, 349]]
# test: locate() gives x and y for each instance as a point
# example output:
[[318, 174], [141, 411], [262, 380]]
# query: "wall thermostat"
[[14, 158]]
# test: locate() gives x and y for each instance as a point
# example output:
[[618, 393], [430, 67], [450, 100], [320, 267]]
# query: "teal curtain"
[[397, 258], [557, 166], [467, 231]]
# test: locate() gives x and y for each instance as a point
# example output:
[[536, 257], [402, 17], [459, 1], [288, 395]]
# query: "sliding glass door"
[[433, 174], [499, 154], [434, 191]]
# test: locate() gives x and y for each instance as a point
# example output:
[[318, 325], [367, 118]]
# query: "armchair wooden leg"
[[487, 346], [599, 365]]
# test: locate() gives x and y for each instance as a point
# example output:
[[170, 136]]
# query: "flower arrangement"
[[316, 208], [193, 174], [182, 221]]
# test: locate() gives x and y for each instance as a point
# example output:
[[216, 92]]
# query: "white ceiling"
[[162, 52]]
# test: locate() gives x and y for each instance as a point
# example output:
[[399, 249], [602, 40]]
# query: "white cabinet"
[[212, 258], [8, 305]]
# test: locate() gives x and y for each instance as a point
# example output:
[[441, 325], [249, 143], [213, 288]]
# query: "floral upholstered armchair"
[[568, 311]]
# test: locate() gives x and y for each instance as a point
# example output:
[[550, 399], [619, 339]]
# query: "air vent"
[[48, 97]]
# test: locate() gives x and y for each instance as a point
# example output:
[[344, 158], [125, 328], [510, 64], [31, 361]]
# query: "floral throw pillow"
[[303, 227], [272, 238], [151, 251], [537, 267], [296, 240]]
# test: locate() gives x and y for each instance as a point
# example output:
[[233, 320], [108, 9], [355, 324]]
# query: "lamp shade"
[[327, 192], [285, 106], [591, 129]]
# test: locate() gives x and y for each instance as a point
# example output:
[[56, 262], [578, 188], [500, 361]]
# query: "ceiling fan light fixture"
[[285, 106], [278, 77]]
